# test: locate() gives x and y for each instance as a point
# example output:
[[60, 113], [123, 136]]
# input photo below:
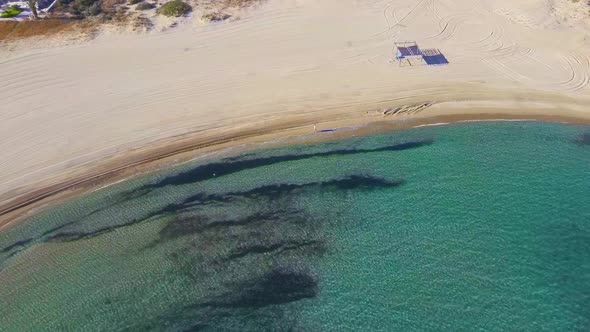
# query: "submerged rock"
[[584, 139]]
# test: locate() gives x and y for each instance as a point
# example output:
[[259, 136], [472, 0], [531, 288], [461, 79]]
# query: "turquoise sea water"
[[475, 226]]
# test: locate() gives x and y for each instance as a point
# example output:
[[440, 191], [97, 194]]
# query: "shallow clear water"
[[478, 226]]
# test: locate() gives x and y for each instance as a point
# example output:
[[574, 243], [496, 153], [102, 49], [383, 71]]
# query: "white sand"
[[285, 60]]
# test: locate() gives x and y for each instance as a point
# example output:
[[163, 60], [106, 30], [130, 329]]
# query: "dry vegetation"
[[12, 30], [85, 16], [238, 3]]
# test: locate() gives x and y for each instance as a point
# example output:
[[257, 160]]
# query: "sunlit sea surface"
[[474, 226]]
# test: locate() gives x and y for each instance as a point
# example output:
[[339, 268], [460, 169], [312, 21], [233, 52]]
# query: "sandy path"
[[287, 61]]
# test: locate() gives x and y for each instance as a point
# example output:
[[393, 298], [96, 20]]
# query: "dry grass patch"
[[215, 17], [239, 3], [12, 30], [110, 5]]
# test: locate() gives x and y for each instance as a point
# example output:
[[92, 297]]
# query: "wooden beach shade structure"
[[408, 53]]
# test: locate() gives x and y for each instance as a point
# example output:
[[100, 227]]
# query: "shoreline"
[[176, 151], [79, 116]]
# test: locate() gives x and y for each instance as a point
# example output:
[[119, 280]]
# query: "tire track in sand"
[[579, 77]]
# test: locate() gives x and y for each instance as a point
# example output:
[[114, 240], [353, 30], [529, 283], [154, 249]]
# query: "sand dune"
[[283, 64]]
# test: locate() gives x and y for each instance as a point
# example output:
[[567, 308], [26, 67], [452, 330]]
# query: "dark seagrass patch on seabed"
[[240, 253], [183, 225], [200, 173], [583, 139], [251, 265], [281, 284], [68, 233], [225, 167], [253, 301]]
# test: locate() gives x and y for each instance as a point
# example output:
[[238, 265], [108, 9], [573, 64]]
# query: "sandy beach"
[[74, 117]]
